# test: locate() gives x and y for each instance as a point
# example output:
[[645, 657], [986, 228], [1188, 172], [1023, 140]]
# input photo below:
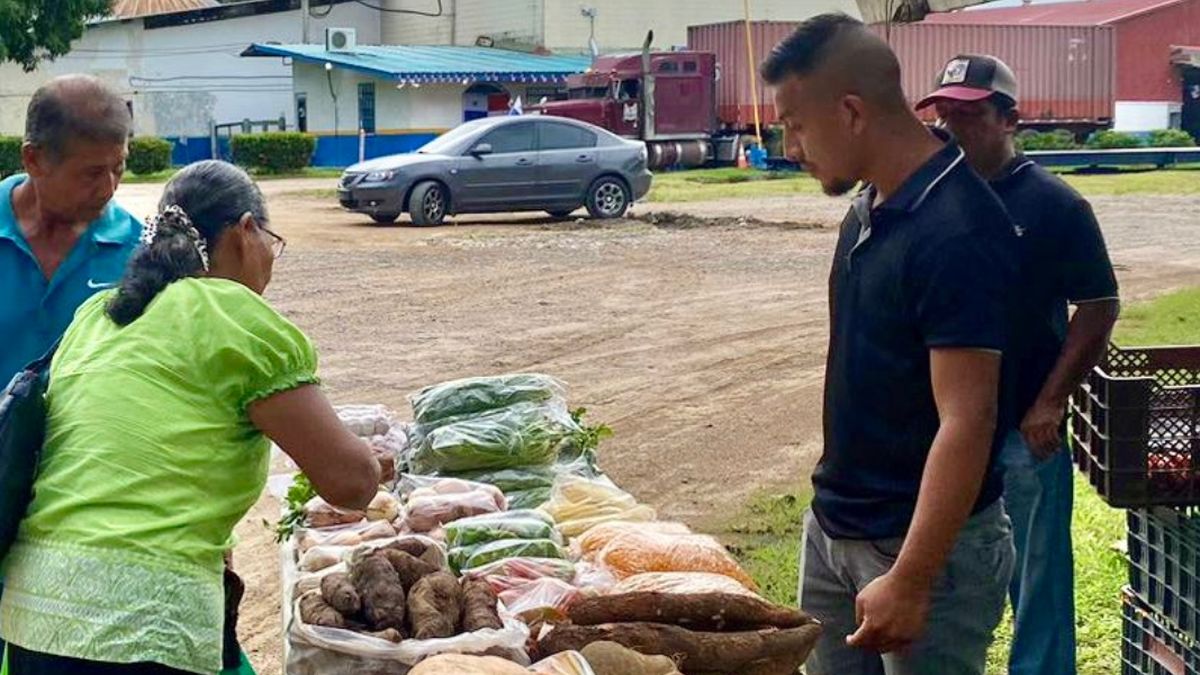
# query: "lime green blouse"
[[150, 461]]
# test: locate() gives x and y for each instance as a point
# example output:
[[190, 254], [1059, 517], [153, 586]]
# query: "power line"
[[388, 10]]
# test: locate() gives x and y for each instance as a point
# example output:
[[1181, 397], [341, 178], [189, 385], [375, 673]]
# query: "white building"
[[565, 25], [181, 72]]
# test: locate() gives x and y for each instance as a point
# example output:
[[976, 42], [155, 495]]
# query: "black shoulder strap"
[[44, 361]]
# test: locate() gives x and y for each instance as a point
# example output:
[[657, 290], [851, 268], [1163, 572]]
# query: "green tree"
[[32, 30]]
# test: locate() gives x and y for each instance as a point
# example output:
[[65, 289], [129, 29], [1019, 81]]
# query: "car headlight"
[[380, 176]]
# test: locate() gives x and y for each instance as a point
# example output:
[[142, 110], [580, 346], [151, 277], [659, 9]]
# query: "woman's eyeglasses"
[[278, 243]]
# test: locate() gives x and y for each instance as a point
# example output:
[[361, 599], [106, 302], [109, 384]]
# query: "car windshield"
[[444, 142]]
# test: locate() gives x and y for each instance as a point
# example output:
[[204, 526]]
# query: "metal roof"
[[131, 9], [434, 63], [1085, 13]]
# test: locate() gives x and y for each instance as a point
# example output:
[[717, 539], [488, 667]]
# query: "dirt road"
[[700, 341]]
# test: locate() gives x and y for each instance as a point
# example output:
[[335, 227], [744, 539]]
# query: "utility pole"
[[304, 18]]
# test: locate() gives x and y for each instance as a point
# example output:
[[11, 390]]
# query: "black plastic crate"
[[1150, 646], [1164, 564], [1135, 427]]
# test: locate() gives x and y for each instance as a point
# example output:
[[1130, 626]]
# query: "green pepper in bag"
[[466, 558], [473, 531]]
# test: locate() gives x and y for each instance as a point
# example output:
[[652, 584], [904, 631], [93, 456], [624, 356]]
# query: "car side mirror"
[[481, 150]]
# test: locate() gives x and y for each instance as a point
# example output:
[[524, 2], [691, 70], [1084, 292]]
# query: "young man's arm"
[[892, 609], [1087, 339]]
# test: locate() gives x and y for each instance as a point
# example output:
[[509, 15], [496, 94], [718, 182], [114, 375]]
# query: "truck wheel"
[[608, 198], [385, 218], [427, 204]]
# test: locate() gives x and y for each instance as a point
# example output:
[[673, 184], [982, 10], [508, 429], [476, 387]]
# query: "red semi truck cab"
[[667, 99]]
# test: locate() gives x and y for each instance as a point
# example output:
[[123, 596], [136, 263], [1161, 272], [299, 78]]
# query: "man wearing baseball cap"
[[1063, 262]]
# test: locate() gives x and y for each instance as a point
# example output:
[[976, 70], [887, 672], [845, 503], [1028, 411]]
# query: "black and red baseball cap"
[[973, 77]]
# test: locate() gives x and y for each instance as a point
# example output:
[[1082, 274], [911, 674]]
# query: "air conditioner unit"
[[340, 39]]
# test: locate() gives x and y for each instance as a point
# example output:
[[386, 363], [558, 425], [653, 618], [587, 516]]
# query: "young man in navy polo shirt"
[[1063, 261], [907, 551]]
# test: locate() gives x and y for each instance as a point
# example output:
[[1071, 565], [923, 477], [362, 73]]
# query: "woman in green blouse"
[[162, 398]]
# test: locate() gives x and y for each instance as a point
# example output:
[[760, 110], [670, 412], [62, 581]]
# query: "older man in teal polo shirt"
[[62, 237]]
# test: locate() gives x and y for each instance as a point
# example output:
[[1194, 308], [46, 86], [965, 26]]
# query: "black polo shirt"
[[931, 267], [1063, 261]]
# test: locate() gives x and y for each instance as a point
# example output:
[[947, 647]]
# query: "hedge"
[[1059, 139], [148, 154], [1110, 140], [1171, 138], [273, 152], [10, 156]]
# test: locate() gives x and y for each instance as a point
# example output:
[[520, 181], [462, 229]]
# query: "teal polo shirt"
[[34, 311]]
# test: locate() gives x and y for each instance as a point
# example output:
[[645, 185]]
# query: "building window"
[[366, 107], [302, 113], [668, 67], [689, 66]]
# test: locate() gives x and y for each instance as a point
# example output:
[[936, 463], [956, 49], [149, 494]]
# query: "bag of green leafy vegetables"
[[521, 435], [474, 395]]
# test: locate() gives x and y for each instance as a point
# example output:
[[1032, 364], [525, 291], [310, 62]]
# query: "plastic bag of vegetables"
[[465, 558], [496, 526], [475, 395], [524, 434], [577, 504]]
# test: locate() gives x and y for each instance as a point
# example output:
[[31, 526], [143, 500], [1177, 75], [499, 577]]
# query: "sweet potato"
[[316, 612], [382, 594], [697, 611], [413, 547], [389, 634], [769, 651], [337, 590], [435, 606], [409, 568], [610, 658], [479, 606]]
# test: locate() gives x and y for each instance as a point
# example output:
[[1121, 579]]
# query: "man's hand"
[[1042, 427], [891, 613]]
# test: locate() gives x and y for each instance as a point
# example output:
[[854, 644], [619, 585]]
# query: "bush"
[[273, 152], [1110, 140], [1171, 138], [148, 154], [10, 156], [1059, 139]]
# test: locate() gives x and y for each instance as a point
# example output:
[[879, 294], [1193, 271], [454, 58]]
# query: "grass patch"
[[1173, 182], [1173, 319], [310, 172], [765, 535], [728, 183]]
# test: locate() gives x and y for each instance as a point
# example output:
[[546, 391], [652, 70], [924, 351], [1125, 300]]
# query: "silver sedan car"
[[497, 164]]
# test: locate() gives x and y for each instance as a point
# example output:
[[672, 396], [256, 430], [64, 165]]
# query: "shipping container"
[[735, 104], [1065, 73]]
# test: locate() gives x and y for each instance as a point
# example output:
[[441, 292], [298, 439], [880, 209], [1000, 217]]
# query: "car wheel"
[[561, 213], [427, 204], [608, 198], [385, 218]]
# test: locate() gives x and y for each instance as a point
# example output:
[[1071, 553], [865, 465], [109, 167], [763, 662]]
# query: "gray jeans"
[[965, 607]]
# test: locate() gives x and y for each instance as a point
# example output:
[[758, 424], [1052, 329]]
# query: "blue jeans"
[[1038, 496], [966, 602]]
